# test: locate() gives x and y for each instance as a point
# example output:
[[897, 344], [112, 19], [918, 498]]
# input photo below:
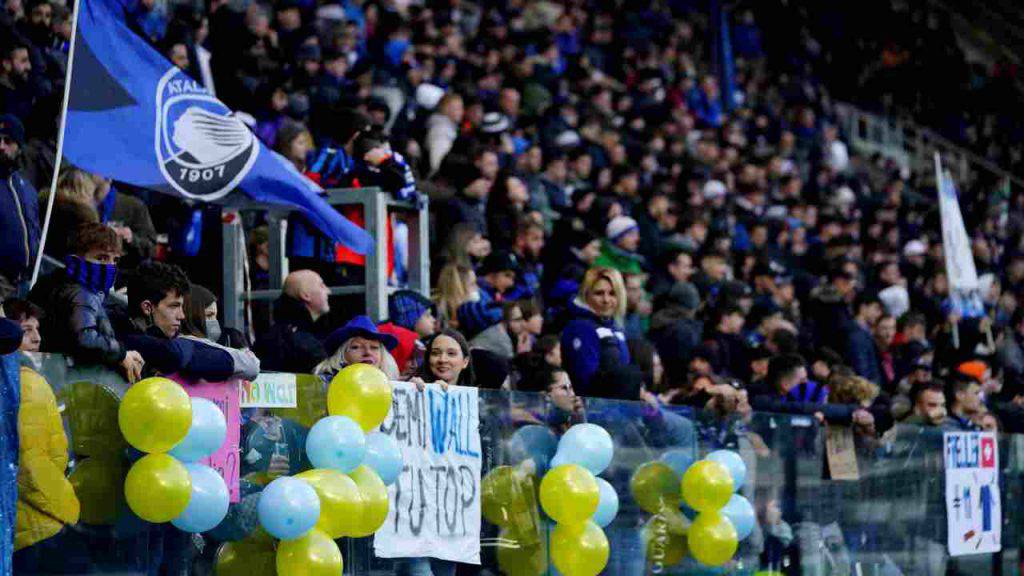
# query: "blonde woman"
[[358, 342], [593, 339], [456, 285]]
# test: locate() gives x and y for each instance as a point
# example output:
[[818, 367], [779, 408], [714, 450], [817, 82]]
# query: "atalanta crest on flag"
[[203, 149]]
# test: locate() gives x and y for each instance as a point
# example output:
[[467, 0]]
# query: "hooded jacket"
[[19, 224], [76, 323], [46, 499], [290, 345], [589, 344]]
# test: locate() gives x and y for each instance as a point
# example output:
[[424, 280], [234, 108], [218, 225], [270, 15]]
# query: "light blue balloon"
[[288, 508], [732, 461], [533, 442], [336, 442], [206, 435], [209, 503], [608, 505], [679, 459], [588, 445], [740, 512], [384, 456]]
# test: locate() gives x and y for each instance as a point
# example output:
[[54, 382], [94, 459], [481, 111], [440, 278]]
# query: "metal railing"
[[913, 147], [377, 208]]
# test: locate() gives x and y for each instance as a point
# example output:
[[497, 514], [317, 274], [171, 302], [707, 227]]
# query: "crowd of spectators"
[[599, 202], [609, 221]]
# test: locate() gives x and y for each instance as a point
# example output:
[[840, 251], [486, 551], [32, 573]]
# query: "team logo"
[[203, 149]]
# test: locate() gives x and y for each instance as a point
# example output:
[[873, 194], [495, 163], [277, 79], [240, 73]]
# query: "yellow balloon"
[[569, 494], [707, 486], [520, 555], [341, 504], [361, 392], [98, 483], [664, 538], [375, 500], [655, 487], [253, 556], [712, 539], [158, 488], [580, 550], [314, 554], [90, 411], [507, 496], [155, 415]]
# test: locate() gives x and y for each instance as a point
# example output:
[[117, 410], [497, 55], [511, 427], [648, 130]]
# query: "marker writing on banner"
[[452, 490]]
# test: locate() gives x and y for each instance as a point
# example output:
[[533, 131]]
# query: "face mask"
[[213, 331], [92, 276]]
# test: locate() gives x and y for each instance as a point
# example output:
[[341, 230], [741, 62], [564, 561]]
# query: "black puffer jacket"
[[76, 324], [290, 345]]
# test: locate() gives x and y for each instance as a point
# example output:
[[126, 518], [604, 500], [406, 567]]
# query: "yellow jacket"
[[46, 500]]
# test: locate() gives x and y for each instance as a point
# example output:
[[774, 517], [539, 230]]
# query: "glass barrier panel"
[[826, 501]]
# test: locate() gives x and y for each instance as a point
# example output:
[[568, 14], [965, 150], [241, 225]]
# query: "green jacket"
[[614, 257]]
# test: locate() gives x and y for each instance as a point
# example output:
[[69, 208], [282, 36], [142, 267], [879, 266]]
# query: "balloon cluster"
[[708, 487], [168, 484], [571, 494], [346, 492]]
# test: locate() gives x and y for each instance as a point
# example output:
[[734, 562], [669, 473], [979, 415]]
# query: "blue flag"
[[135, 117]]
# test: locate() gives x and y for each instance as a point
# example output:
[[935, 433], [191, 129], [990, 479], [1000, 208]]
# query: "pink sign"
[[225, 396]]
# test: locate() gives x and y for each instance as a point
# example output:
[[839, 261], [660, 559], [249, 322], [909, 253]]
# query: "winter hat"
[[498, 261], [714, 189], [619, 227], [579, 239], [685, 295], [914, 248], [10, 126], [494, 123], [975, 369], [896, 300], [405, 308]]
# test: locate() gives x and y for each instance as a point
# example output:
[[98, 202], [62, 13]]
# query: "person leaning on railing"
[[76, 323]]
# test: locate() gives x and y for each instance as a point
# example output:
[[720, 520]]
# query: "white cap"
[[714, 189], [428, 95], [896, 300], [915, 248], [619, 227]]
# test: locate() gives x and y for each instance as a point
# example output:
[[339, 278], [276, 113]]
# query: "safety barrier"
[[826, 501]]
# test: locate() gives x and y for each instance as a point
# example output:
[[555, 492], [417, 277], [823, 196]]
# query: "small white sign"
[[268, 390], [435, 503], [973, 512]]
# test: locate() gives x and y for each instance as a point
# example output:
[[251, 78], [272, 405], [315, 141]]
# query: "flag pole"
[[954, 326], [60, 144]]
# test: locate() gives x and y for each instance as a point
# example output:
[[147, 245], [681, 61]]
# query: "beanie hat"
[[619, 227], [406, 306], [975, 369]]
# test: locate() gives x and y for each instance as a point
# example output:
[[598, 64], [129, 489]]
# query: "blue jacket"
[[19, 224], [861, 353], [590, 343], [475, 317]]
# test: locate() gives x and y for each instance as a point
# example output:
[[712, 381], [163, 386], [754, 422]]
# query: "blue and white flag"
[[136, 118], [961, 273]]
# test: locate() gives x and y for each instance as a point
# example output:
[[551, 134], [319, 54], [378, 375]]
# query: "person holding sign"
[[448, 361], [448, 364]]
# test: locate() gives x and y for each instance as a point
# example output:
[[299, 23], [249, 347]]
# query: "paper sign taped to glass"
[[973, 511]]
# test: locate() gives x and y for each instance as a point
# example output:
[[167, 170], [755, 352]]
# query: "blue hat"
[[359, 326], [406, 306], [11, 126]]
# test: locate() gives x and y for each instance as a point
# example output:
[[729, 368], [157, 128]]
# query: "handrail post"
[[234, 270], [419, 249], [375, 207]]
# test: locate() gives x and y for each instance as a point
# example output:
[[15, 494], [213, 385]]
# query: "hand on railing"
[[132, 365]]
